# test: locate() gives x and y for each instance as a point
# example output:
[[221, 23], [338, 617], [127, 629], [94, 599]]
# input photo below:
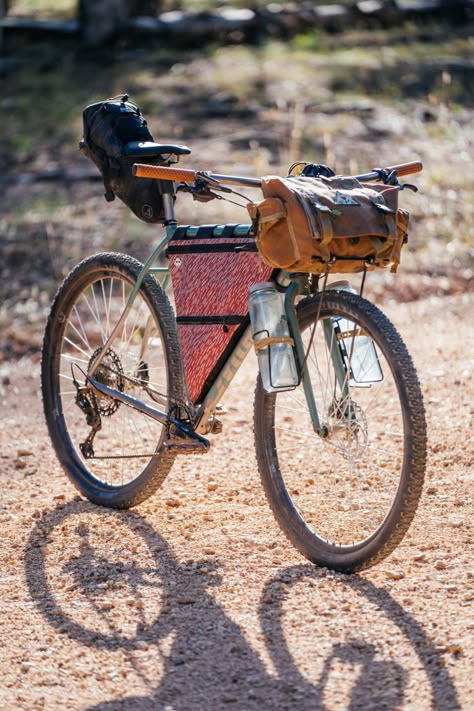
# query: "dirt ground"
[[195, 600]]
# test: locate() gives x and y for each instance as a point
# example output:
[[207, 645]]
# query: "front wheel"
[[346, 497], [113, 453]]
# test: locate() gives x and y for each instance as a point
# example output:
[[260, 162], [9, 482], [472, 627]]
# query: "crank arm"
[[152, 412]]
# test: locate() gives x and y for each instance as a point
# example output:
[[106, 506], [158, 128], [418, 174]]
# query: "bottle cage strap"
[[270, 340]]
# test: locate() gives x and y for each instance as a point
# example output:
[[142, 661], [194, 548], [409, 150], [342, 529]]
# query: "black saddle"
[[148, 149]]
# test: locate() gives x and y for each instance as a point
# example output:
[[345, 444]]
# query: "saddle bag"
[[212, 311], [333, 224], [108, 127]]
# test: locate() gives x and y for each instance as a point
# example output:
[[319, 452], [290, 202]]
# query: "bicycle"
[[126, 388]]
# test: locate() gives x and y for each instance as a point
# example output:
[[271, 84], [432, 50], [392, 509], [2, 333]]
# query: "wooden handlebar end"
[[414, 166], [162, 172]]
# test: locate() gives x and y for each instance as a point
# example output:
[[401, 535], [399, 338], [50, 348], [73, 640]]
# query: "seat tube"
[[168, 206], [291, 293]]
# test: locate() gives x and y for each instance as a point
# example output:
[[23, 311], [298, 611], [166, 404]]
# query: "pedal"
[[188, 447]]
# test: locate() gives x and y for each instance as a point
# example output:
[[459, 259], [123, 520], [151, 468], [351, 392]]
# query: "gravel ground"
[[195, 600]]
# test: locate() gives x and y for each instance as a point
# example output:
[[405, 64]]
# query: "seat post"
[[168, 207]]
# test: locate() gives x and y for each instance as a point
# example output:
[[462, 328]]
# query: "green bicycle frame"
[[238, 355]]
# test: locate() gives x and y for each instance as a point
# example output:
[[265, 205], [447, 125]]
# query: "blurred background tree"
[[101, 19]]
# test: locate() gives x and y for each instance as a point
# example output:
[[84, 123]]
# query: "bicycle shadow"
[[205, 659]]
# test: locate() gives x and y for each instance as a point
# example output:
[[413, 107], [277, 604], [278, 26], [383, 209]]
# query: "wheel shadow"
[[378, 683], [205, 661]]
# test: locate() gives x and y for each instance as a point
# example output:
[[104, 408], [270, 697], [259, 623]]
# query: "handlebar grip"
[[162, 172], [414, 166]]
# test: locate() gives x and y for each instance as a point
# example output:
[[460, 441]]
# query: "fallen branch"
[[234, 24]]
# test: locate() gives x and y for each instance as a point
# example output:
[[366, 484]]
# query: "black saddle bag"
[[108, 127]]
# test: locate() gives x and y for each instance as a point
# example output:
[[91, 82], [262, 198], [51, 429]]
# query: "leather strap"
[[271, 340]]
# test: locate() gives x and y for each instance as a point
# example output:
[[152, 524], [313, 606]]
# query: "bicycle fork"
[[296, 288]]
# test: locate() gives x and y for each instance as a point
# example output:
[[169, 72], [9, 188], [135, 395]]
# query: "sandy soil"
[[195, 600]]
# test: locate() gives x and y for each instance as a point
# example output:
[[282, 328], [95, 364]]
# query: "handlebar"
[[185, 175], [414, 166]]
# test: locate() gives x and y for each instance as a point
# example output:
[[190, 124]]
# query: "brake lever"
[[204, 179]]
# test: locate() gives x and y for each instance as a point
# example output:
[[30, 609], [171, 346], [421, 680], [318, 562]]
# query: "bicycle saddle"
[[147, 149]]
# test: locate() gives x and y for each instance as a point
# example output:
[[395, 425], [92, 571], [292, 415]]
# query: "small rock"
[[185, 600], [440, 565], [106, 606], [455, 522], [394, 574], [212, 486], [173, 502], [454, 648], [359, 644], [432, 490]]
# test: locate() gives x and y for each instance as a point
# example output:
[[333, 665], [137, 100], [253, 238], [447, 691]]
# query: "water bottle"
[[364, 364], [276, 359]]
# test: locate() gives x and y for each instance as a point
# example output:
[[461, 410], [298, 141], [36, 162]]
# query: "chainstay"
[[126, 456], [151, 391]]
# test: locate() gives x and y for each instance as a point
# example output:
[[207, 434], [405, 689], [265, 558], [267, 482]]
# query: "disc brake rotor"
[[348, 428]]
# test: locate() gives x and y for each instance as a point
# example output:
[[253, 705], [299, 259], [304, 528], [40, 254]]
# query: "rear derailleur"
[[86, 401]]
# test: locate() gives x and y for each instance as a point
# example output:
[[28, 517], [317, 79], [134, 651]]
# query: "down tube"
[[224, 378]]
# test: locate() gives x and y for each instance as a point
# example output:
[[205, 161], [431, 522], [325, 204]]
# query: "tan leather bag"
[[328, 224]]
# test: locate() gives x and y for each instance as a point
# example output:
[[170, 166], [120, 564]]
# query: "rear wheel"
[[346, 499], [112, 453]]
